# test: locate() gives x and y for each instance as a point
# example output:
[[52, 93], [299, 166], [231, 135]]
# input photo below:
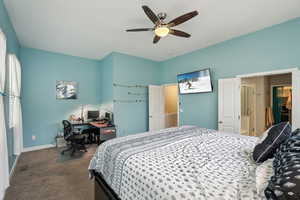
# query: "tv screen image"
[[195, 82]]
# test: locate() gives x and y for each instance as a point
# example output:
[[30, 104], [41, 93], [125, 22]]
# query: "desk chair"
[[75, 140]]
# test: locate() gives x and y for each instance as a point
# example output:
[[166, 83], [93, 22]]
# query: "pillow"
[[263, 174], [277, 134], [285, 184], [263, 136], [296, 132]]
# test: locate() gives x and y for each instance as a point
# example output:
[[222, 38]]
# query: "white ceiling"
[[94, 28]]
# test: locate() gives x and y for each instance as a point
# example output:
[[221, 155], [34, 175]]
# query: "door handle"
[[150, 116], [220, 122]]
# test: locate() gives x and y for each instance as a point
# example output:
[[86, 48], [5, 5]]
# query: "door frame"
[[178, 101], [268, 73], [276, 72]]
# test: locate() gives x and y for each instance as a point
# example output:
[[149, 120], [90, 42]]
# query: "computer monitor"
[[93, 115], [109, 117]]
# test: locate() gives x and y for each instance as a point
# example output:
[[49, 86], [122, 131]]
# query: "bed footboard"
[[102, 190]]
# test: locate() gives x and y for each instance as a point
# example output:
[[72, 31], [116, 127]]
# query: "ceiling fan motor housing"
[[162, 16]]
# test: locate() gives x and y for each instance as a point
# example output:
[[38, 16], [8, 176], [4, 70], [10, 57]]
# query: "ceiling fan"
[[162, 29]]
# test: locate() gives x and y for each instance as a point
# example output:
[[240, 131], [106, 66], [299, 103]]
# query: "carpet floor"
[[47, 175]]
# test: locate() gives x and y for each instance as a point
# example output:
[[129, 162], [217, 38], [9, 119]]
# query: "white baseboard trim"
[[13, 167], [35, 148]]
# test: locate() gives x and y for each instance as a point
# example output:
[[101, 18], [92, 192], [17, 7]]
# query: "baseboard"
[[13, 167], [35, 148]]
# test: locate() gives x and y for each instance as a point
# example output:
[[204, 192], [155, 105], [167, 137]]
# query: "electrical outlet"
[[33, 137]]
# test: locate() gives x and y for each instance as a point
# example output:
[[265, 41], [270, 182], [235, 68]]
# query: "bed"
[[187, 162]]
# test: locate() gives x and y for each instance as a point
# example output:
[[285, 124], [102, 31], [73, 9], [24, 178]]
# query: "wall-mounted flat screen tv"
[[195, 82]]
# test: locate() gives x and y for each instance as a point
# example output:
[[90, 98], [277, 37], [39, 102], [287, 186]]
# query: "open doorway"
[[171, 105], [265, 101], [163, 106], [282, 103]]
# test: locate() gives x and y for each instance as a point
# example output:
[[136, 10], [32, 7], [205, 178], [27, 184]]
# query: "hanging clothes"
[[289, 100], [269, 117], [277, 103]]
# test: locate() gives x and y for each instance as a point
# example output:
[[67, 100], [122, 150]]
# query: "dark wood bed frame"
[[102, 190]]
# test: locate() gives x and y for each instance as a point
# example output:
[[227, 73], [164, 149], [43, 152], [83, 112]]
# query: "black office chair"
[[75, 140]]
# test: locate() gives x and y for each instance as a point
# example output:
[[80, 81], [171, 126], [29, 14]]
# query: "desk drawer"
[[107, 133]]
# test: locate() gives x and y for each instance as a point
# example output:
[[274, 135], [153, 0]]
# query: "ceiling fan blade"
[[156, 39], [183, 18], [152, 16], [179, 33], [139, 29]]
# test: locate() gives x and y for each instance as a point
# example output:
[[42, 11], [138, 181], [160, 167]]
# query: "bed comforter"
[[178, 163]]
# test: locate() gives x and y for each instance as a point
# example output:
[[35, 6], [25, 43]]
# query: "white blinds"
[[15, 111], [4, 168]]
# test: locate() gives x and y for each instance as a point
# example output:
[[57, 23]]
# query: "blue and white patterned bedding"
[[178, 163]]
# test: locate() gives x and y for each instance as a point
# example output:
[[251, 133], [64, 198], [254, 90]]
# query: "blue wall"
[[42, 112], [270, 49], [106, 82], [129, 70], [130, 117], [12, 47], [273, 48]]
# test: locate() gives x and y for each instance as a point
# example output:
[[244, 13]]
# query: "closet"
[[250, 103], [265, 101]]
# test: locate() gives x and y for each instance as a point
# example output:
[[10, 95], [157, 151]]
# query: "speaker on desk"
[[110, 117]]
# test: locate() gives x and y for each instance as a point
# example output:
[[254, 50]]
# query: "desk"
[[98, 125], [106, 131], [80, 123]]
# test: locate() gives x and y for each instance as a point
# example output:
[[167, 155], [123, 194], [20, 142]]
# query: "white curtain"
[[15, 111], [4, 168]]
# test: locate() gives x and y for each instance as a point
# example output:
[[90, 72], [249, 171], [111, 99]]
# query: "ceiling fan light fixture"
[[162, 31], [161, 28]]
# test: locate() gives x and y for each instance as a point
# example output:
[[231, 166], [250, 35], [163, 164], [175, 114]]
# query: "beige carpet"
[[46, 175]]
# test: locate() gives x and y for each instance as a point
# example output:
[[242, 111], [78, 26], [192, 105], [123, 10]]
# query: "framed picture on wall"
[[66, 90]]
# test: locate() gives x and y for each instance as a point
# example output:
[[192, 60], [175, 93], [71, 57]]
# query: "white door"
[[229, 105], [156, 108], [295, 99]]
